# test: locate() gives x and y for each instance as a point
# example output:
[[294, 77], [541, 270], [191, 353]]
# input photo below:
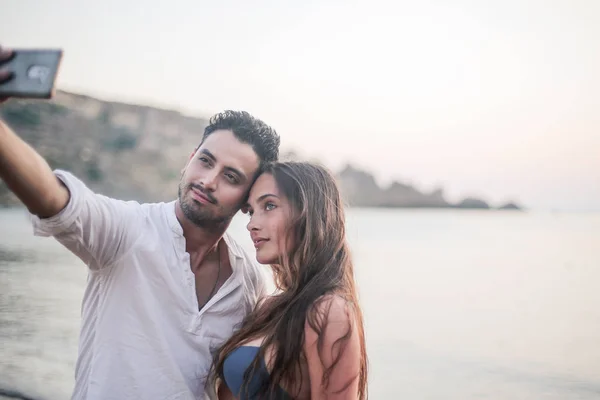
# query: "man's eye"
[[232, 178], [203, 159]]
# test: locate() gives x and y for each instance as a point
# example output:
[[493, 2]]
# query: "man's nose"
[[209, 181]]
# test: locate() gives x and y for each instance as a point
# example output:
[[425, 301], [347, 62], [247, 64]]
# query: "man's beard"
[[197, 213]]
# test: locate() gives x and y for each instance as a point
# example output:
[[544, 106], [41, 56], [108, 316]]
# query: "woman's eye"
[[270, 206]]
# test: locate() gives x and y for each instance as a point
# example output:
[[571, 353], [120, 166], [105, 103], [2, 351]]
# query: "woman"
[[306, 341]]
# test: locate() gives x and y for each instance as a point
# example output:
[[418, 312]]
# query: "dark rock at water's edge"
[[510, 206], [470, 202], [13, 394], [135, 152]]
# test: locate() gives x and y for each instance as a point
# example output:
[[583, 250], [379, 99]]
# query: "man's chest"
[[157, 300], [208, 281]]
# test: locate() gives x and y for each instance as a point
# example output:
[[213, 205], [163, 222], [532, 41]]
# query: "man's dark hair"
[[248, 129]]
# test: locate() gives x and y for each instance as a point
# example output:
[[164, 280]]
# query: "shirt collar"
[[172, 218], [177, 229]]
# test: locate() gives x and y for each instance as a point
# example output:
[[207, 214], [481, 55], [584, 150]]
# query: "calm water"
[[458, 305]]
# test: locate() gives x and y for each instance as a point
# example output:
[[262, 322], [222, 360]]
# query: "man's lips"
[[200, 196]]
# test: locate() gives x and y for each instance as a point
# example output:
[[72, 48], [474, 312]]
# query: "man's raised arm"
[[25, 172], [96, 228], [29, 176]]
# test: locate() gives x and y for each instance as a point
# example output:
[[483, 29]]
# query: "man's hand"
[[5, 74]]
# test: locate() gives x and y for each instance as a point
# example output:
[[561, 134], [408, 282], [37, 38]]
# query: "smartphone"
[[34, 73]]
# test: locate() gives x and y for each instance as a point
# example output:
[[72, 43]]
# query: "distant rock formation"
[[361, 190], [136, 152]]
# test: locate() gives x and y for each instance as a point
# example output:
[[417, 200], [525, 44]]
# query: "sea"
[[458, 304]]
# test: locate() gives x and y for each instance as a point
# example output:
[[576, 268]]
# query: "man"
[[166, 283]]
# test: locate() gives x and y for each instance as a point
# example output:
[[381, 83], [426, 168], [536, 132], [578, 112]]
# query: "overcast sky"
[[497, 99]]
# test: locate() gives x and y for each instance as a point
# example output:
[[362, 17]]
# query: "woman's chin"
[[264, 259]]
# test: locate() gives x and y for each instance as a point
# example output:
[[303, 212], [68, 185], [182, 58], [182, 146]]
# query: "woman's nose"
[[252, 224]]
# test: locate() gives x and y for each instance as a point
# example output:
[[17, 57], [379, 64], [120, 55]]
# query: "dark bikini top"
[[235, 366]]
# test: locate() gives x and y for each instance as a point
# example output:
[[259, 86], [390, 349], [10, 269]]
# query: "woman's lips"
[[259, 242]]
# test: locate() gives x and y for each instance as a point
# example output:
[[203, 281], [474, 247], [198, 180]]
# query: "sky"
[[494, 99]]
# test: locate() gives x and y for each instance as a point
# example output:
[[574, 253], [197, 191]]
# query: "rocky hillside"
[[136, 152], [121, 150]]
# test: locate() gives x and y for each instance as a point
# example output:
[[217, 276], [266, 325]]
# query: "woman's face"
[[270, 214]]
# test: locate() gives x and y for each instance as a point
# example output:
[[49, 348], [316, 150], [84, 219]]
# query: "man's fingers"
[[5, 54], [5, 75]]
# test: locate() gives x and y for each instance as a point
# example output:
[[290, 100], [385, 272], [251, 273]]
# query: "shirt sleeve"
[[96, 228]]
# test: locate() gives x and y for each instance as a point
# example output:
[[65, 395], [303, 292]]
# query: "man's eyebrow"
[[234, 170], [209, 154], [237, 172]]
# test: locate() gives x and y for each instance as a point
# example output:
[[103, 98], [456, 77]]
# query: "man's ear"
[[193, 154], [189, 160]]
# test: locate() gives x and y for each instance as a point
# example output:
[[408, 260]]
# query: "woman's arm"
[[340, 344]]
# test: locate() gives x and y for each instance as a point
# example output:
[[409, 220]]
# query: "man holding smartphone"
[[167, 284]]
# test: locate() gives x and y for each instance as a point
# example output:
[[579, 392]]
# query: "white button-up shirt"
[[142, 335]]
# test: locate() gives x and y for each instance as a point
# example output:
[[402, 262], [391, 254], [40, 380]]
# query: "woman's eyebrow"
[[264, 196]]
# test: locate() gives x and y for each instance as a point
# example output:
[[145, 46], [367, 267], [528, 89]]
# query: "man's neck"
[[199, 240]]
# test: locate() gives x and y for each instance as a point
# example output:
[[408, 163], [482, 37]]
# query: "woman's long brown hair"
[[319, 264]]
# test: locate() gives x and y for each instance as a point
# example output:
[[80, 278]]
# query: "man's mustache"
[[199, 188]]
